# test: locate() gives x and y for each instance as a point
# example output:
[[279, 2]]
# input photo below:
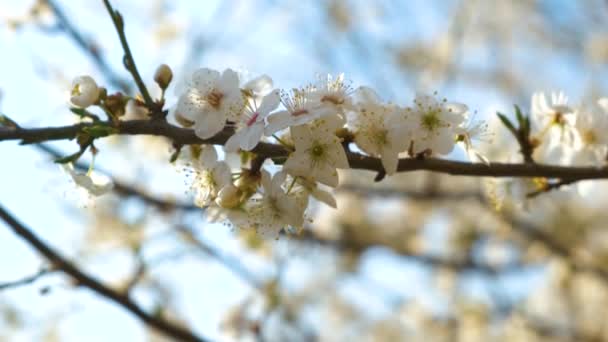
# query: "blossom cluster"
[[563, 134], [316, 123], [324, 123]]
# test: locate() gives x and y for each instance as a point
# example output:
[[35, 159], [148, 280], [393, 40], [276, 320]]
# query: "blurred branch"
[[230, 263], [25, 281], [184, 136], [128, 190], [88, 46], [386, 192], [526, 229], [462, 265], [83, 279]]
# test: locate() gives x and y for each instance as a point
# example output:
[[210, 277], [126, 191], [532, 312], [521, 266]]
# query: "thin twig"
[[83, 279], [230, 263], [25, 281], [128, 59]]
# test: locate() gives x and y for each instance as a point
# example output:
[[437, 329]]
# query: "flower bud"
[[163, 76], [229, 197], [84, 91], [116, 103]]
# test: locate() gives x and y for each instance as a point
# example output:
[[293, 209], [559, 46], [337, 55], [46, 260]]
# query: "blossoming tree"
[[321, 174]]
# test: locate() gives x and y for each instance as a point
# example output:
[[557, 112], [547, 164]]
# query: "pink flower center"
[[253, 119]]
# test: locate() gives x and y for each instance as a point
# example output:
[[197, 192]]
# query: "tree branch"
[[83, 279], [128, 59], [184, 136], [25, 281], [127, 190], [460, 265]]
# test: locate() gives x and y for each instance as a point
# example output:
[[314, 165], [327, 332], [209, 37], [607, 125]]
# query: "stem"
[[128, 60]]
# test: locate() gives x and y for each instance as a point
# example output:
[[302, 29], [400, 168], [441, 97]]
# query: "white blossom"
[[211, 176], [250, 127], [276, 209], [318, 153], [472, 131], [332, 92], [258, 87], [94, 183], [435, 123], [556, 112], [316, 192], [210, 99], [300, 109], [84, 92], [380, 130], [592, 127]]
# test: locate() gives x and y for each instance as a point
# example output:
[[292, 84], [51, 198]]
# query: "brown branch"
[[184, 136], [25, 281], [128, 59], [83, 279]]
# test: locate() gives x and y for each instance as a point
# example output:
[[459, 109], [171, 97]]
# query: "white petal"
[[337, 156], [251, 136], [221, 174], [260, 85], [278, 121], [298, 164], [302, 137], [390, 160], [234, 142], [208, 156], [204, 79], [444, 142], [277, 180], [457, 108], [325, 173], [190, 105], [229, 82], [209, 125], [269, 103], [266, 180], [325, 197]]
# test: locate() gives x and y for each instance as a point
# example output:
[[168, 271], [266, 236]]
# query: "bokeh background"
[[418, 256]]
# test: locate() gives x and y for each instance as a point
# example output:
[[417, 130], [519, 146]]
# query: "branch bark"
[[83, 279], [185, 136]]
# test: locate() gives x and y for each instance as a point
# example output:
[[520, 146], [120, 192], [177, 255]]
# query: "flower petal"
[[277, 121], [251, 136], [269, 103], [209, 125]]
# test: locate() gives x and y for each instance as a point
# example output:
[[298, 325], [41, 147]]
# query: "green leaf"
[[507, 123], [99, 131], [519, 115], [78, 111], [71, 158], [7, 122]]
